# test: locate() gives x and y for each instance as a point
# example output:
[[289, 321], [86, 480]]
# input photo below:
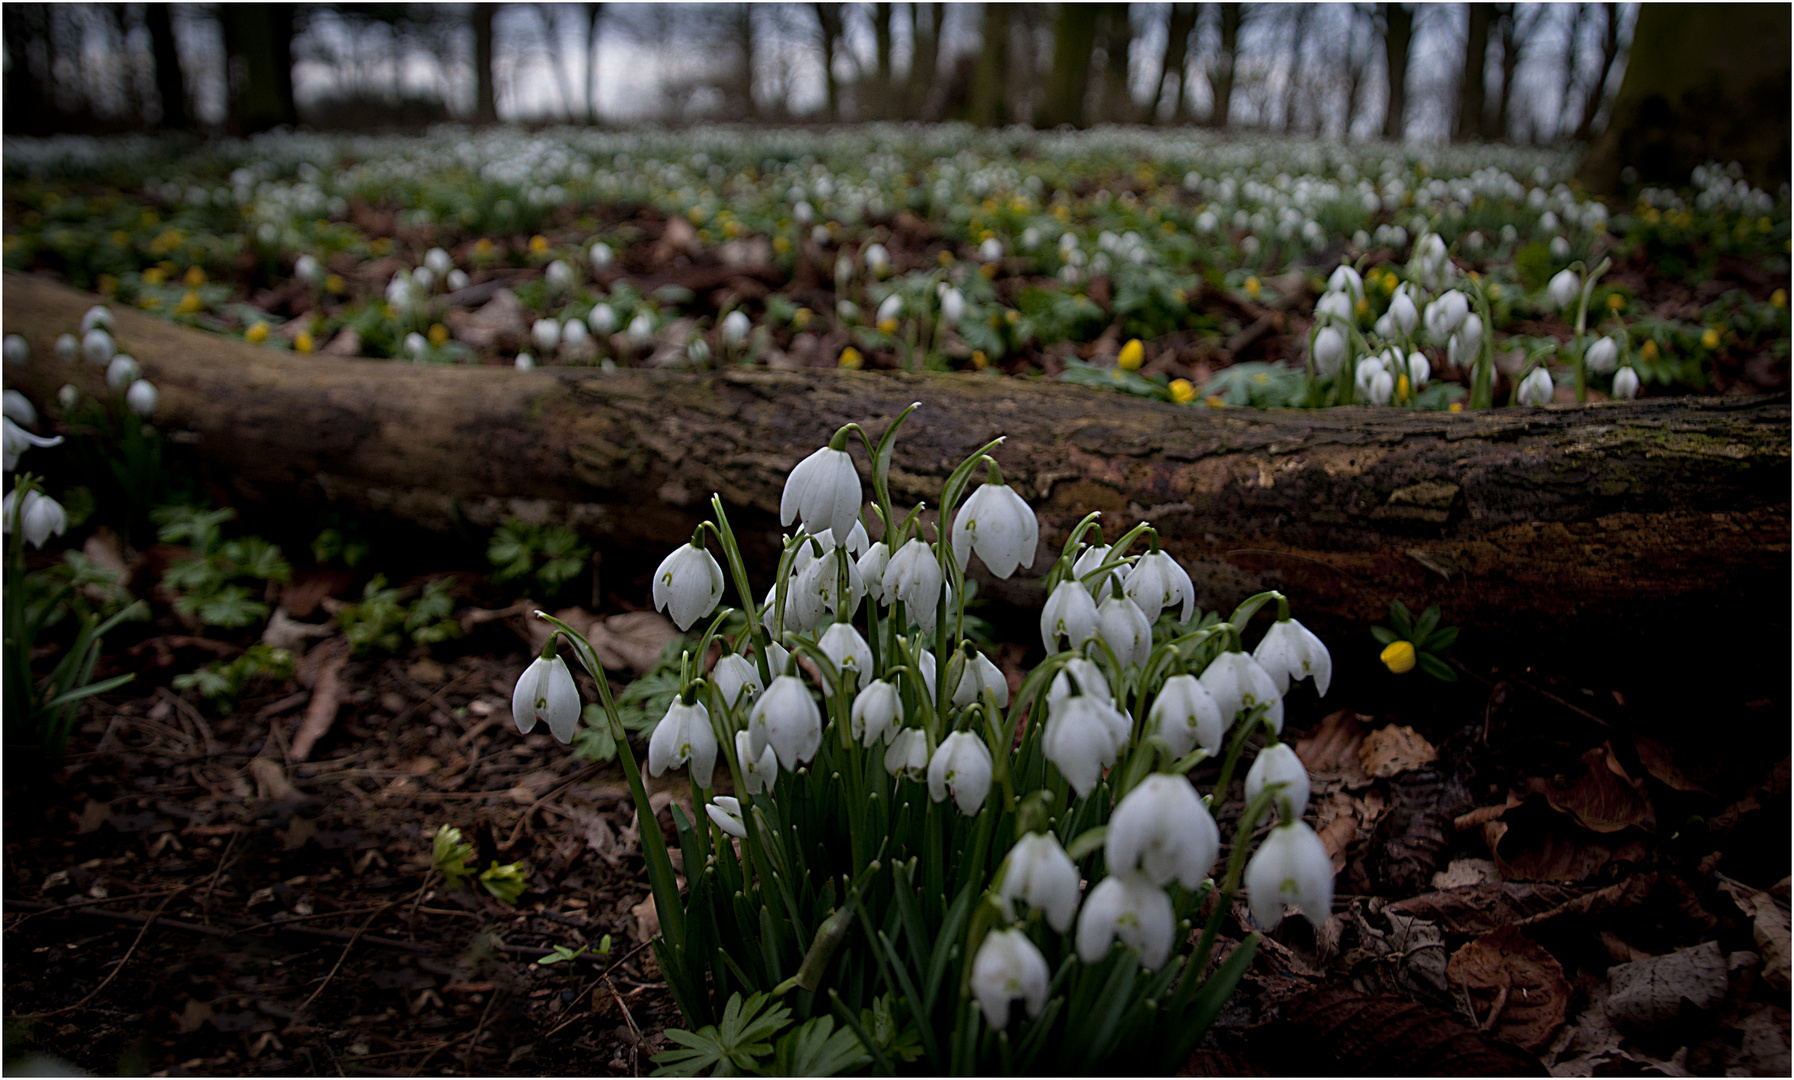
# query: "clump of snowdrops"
[[964, 878]]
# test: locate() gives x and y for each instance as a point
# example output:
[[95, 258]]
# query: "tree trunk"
[[990, 107], [1702, 83], [171, 86], [1512, 37], [828, 32], [1222, 80], [1297, 38], [1472, 91], [593, 12], [879, 106], [1623, 532], [1177, 55], [1610, 52], [1069, 83], [1118, 45], [28, 94], [259, 39], [1398, 38], [925, 36], [485, 102], [745, 41]]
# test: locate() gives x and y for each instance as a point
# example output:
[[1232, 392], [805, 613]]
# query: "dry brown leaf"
[[1338, 1032], [647, 920], [1517, 989], [1763, 1050], [1392, 750], [285, 632], [326, 696], [1661, 762], [1480, 909], [1603, 798], [271, 781], [427, 672], [1587, 1042], [1463, 873], [1769, 926], [1485, 814], [1652, 991], [1531, 843], [501, 321], [1336, 821], [1330, 752]]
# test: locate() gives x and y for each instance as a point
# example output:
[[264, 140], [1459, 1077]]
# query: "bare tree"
[[1177, 54], [1515, 25], [1298, 36], [1597, 91], [1397, 23], [1074, 38], [1226, 63], [485, 100], [925, 55], [1472, 90], [990, 106], [828, 37]]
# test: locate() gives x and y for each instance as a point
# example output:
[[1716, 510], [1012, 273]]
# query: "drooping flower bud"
[[1625, 384], [824, 490], [546, 692], [851, 654], [1069, 614], [1008, 967], [1290, 651], [757, 773], [961, 767], [1085, 734], [1124, 629], [1039, 873], [787, 719], [40, 518], [1280, 765], [1536, 388], [1185, 716], [1155, 582], [1291, 867], [1000, 526], [725, 810], [684, 734], [1564, 289], [877, 712], [914, 577], [908, 754], [1603, 356], [687, 585], [1238, 684], [736, 680], [1162, 830], [1131, 909]]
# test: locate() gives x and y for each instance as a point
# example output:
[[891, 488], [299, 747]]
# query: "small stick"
[[132, 951], [339, 960]]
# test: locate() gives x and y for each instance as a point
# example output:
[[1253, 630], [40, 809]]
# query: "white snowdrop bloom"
[[18, 440], [1157, 581], [1338, 305], [736, 679], [878, 260], [814, 594], [39, 518], [980, 674], [99, 316], [786, 718], [1132, 910], [991, 249], [1380, 387], [872, 566], [307, 269], [1329, 351], [844, 645], [1084, 735], [574, 334], [1237, 683], [455, 280], [1402, 311], [687, 585], [953, 306], [1291, 867], [1537, 388], [601, 255], [1039, 873], [97, 346], [1162, 831], [1185, 716], [684, 735], [820, 236], [438, 261], [18, 409], [725, 810], [843, 269], [1079, 676], [1446, 314], [415, 345], [1466, 345], [141, 398], [546, 334], [1087, 562], [68, 396], [424, 279], [1290, 651], [546, 692], [877, 712], [1385, 326], [122, 371], [823, 490], [524, 362], [914, 577], [847, 311], [1560, 248], [602, 319], [67, 347], [803, 213], [961, 767], [735, 327], [1000, 526], [1564, 289], [1603, 356], [1625, 384], [1419, 370], [1345, 279], [559, 276], [1008, 967], [16, 349], [1124, 629], [889, 309], [908, 754], [1069, 614], [757, 774], [641, 328], [1280, 765]]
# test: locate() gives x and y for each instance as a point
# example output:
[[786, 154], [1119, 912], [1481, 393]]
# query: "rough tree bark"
[[1608, 530], [1177, 53], [485, 103], [1471, 91], [1222, 80], [1398, 40], [1074, 38], [990, 105], [171, 86]]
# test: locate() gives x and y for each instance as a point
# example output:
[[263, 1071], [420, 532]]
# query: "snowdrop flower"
[[1419, 370], [1070, 613], [1089, 680], [641, 328], [1466, 345], [687, 585], [602, 320], [990, 250], [878, 260], [559, 276], [1084, 735], [415, 345], [524, 362], [1329, 351], [1185, 716], [953, 306], [725, 810], [39, 518], [852, 656], [438, 261], [573, 334], [684, 735], [1625, 384], [1344, 279], [1039, 873], [67, 347], [18, 440], [803, 213], [1291, 867], [888, 310], [1124, 629], [914, 577], [786, 718], [16, 349], [1087, 562], [999, 525], [908, 754], [1131, 909], [1381, 388], [980, 674], [961, 766], [1402, 311], [97, 346], [99, 316], [1537, 388], [601, 256], [1290, 651], [141, 398], [877, 712], [1603, 356], [1162, 830], [307, 269], [19, 410], [546, 692], [1237, 683], [1446, 314], [1335, 304], [1560, 248], [1155, 582], [734, 676], [735, 327], [1564, 289], [455, 280], [757, 774], [872, 566], [1008, 967], [813, 594], [824, 490], [1385, 326], [820, 236], [68, 396], [546, 334], [122, 372], [1280, 765], [424, 278]]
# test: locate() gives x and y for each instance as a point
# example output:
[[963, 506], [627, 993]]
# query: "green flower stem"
[[738, 570], [1234, 749], [1236, 866]]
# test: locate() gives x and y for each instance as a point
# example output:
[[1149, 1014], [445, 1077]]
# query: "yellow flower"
[[149, 303], [1616, 303], [1012, 316], [1494, 290], [887, 326], [121, 238], [107, 284], [439, 335], [1214, 401], [1133, 354], [1710, 338], [334, 284], [482, 248], [1361, 308], [851, 359], [989, 270], [1399, 657], [1778, 298], [154, 275], [1456, 406], [302, 343], [538, 244], [1649, 352], [801, 318], [1401, 388], [1182, 392], [257, 333], [1765, 225], [979, 360], [194, 277], [781, 244], [945, 258], [697, 214], [1252, 287], [190, 303]]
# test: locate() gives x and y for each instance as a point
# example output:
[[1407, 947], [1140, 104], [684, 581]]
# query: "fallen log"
[[1616, 530]]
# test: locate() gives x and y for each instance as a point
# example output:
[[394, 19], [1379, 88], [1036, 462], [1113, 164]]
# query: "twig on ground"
[[300, 1011], [120, 966]]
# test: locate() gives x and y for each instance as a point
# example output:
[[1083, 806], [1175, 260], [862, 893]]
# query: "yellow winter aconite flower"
[[1012, 316], [1182, 392], [1616, 303], [1214, 401], [1401, 388], [106, 284], [1710, 338], [1133, 354], [979, 360], [257, 333], [801, 318], [334, 284], [1778, 298], [482, 248], [851, 359], [1399, 657], [945, 258], [538, 244], [302, 343], [781, 244], [154, 275], [194, 277], [1456, 406], [1649, 352], [1253, 287], [887, 326], [439, 335], [190, 303]]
